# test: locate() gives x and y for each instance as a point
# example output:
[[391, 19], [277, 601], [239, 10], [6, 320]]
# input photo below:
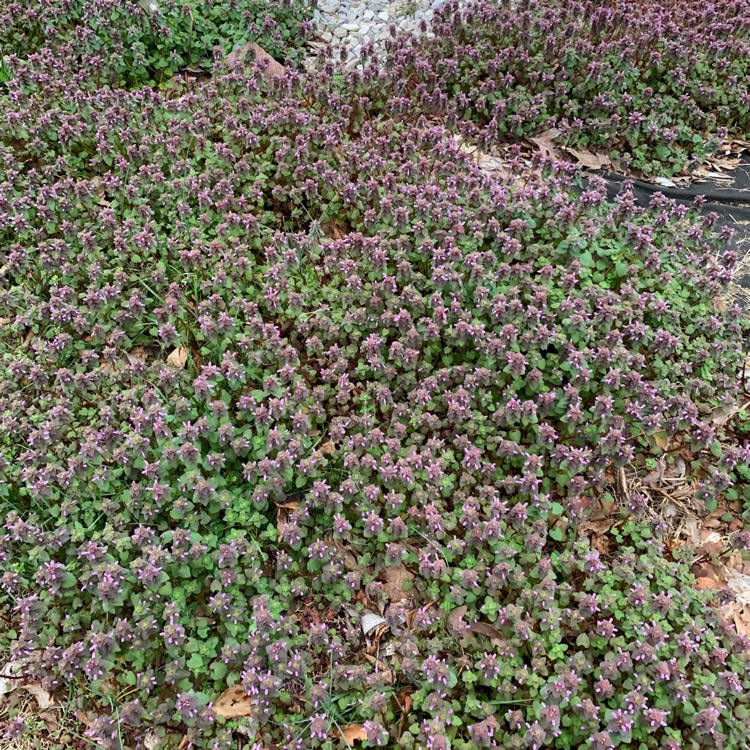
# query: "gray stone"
[[350, 26], [327, 37], [340, 33]]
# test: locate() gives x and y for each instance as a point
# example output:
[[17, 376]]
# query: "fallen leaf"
[[335, 231], [484, 628], [711, 543], [738, 614], [739, 585], [137, 354], [653, 478], [377, 663], [10, 675], [178, 358], [283, 511], [661, 439], [713, 520], [396, 578], [664, 182], [411, 615], [720, 164], [370, 621], [405, 701], [150, 5], [589, 160], [234, 701], [670, 509], [350, 561], [352, 733], [43, 698], [706, 582], [676, 471], [692, 530], [545, 142], [742, 621], [328, 448], [385, 675], [455, 621], [273, 68], [597, 528]]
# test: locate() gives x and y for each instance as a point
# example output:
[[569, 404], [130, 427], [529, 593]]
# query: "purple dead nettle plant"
[[651, 84], [400, 376]]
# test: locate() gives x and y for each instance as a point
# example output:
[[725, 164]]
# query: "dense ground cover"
[[271, 361], [655, 85], [125, 42]]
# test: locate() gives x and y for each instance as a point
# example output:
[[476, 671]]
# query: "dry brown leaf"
[[713, 520], [350, 561], [396, 578], [738, 614], [484, 628], [11, 675], [589, 160], [661, 439], [335, 231], [328, 448], [274, 69], [405, 700], [379, 664], [411, 615], [742, 621], [597, 528], [351, 733], [178, 358], [678, 470], [720, 164], [545, 142], [653, 478], [234, 701], [706, 582], [739, 585], [455, 621], [43, 698], [711, 543], [492, 164], [371, 621], [737, 524], [137, 354], [283, 511], [386, 675]]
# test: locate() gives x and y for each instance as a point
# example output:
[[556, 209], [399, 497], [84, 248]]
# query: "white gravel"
[[354, 23]]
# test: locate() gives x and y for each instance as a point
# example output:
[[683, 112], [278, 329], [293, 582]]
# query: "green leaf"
[[586, 259], [219, 670], [195, 662], [557, 534]]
